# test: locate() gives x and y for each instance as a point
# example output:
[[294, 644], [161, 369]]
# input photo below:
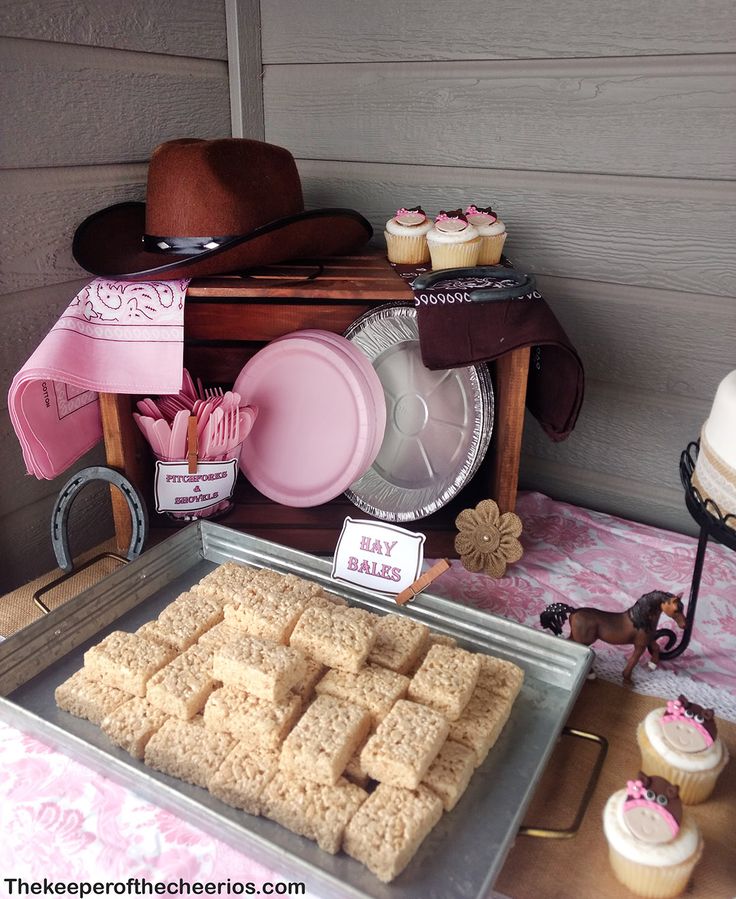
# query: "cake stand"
[[714, 525]]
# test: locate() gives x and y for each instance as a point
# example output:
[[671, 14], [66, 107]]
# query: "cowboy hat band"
[[214, 207]]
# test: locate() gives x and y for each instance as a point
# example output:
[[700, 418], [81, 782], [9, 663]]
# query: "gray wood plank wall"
[[88, 91], [604, 135]]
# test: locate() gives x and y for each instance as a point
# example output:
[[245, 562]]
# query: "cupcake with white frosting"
[[453, 242], [681, 742], [492, 233], [406, 236], [653, 843]]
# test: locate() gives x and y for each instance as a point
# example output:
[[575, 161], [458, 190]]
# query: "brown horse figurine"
[[636, 625]]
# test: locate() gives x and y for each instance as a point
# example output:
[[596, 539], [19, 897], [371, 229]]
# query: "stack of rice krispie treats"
[[353, 729]]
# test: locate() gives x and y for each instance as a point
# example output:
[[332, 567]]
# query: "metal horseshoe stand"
[[60, 521], [713, 525]]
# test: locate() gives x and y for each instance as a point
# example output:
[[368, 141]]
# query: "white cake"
[[715, 470]]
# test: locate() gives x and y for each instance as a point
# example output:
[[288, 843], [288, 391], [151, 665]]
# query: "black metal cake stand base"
[[714, 525]]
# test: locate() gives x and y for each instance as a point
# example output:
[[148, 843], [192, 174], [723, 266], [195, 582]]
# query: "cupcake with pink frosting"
[[492, 233], [406, 236], [681, 742], [653, 843], [453, 242]]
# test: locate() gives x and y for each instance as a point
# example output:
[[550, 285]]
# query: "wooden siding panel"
[[563, 116], [177, 27], [65, 105], [40, 212], [625, 433], [657, 341], [386, 31], [27, 317], [592, 227]]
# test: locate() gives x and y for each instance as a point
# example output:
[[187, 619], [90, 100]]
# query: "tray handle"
[[566, 833], [70, 574]]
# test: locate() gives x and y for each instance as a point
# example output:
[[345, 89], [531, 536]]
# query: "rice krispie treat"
[[256, 721], [373, 688], [293, 586], [388, 828], [321, 743], [481, 722], [327, 601], [180, 633], [399, 641], [267, 577], [304, 689], [405, 744], [445, 680], [450, 773], [220, 634], [180, 689], [227, 581], [126, 661], [188, 750], [499, 677], [354, 770], [267, 615], [132, 725], [83, 696], [257, 666], [337, 637], [193, 607], [316, 811], [434, 639], [242, 777]]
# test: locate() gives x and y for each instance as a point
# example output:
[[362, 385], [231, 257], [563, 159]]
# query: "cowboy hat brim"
[[109, 243]]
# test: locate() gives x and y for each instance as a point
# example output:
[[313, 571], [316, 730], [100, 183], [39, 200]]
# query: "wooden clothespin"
[[422, 582], [192, 444]]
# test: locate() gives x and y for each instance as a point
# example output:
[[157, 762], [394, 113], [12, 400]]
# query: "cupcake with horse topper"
[[492, 233], [681, 742], [653, 843], [406, 236], [453, 242]]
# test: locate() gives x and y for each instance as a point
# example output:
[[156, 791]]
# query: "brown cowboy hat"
[[214, 206]]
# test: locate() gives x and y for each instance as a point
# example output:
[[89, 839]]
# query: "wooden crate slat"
[[223, 321]]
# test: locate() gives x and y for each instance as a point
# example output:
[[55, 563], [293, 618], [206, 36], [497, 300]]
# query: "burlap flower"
[[487, 541]]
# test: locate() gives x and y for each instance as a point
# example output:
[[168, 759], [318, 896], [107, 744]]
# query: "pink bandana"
[[116, 337]]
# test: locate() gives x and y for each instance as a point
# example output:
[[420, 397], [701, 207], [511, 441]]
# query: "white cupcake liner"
[[651, 881]]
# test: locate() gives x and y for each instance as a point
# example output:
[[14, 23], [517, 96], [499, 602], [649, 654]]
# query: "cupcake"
[[453, 242], [653, 844], [681, 743], [492, 233], [406, 236]]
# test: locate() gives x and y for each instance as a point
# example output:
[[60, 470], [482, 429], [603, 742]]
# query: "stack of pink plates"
[[321, 417]]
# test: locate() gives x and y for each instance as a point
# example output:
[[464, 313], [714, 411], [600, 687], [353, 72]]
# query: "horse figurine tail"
[[554, 616]]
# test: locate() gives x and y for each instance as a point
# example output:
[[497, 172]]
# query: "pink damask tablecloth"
[[59, 820]]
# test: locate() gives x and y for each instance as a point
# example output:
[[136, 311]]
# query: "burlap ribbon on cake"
[[455, 331], [715, 480]]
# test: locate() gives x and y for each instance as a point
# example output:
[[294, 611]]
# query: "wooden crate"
[[228, 319]]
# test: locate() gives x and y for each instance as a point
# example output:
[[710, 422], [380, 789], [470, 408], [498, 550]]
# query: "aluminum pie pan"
[[439, 423]]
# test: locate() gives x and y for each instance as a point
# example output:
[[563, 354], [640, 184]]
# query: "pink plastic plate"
[[316, 422], [363, 366]]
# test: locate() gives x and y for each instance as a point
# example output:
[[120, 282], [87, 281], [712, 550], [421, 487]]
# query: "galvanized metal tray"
[[462, 855]]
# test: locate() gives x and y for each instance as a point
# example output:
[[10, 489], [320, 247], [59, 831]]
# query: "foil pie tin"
[[438, 423]]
